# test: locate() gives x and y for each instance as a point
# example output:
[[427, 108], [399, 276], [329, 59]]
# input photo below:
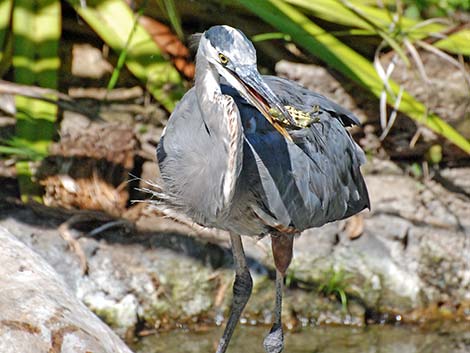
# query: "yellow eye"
[[223, 59]]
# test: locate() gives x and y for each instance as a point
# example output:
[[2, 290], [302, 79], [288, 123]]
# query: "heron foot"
[[274, 341]]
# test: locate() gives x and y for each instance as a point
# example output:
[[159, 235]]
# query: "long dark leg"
[[282, 253], [241, 291]]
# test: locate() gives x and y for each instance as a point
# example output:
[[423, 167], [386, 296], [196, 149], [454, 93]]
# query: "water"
[[442, 338]]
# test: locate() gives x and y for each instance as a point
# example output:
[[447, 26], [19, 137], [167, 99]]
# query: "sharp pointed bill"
[[238, 68]]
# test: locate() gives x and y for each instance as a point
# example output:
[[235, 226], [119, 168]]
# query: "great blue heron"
[[234, 157]]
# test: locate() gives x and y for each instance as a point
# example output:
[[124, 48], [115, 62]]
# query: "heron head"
[[233, 56]]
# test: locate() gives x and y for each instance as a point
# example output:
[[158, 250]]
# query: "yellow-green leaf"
[[36, 30], [457, 43], [5, 17], [381, 20], [114, 22]]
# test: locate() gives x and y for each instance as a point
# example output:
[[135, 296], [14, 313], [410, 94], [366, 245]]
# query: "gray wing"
[[312, 181], [192, 160]]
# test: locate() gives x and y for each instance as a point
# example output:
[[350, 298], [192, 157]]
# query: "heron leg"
[[282, 253], [241, 291]]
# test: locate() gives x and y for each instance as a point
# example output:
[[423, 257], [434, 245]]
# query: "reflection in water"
[[373, 339]]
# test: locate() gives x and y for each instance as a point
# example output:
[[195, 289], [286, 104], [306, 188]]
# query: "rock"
[[161, 279], [413, 251], [410, 256], [38, 313], [88, 61]]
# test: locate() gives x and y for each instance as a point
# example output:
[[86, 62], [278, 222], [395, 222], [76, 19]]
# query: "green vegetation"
[[118, 26], [435, 8], [36, 32], [335, 284], [168, 7], [5, 46]]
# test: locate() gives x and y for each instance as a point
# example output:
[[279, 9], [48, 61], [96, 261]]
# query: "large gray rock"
[[414, 250], [38, 313]]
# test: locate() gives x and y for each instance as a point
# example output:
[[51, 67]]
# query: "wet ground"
[[442, 338]]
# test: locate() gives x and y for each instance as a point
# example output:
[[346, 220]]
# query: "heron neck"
[[212, 103], [207, 82], [220, 115]]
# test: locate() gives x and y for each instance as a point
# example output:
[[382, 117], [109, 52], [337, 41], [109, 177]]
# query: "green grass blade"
[[342, 58], [270, 36], [344, 300], [169, 7], [36, 31], [21, 150], [5, 17], [113, 21], [117, 70], [123, 55], [379, 30], [9, 150]]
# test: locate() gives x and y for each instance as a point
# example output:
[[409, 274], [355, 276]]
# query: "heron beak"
[[260, 95]]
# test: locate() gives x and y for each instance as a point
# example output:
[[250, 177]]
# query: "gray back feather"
[[317, 179]]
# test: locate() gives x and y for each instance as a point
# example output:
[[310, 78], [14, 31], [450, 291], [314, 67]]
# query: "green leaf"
[[344, 59], [113, 21], [379, 30], [123, 55], [21, 149], [36, 30], [169, 7], [375, 18], [457, 43], [337, 12], [5, 17], [270, 36]]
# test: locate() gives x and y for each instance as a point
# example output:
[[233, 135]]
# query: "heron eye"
[[223, 59]]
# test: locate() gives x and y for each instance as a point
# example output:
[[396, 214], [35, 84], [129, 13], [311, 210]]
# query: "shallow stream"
[[438, 338]]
